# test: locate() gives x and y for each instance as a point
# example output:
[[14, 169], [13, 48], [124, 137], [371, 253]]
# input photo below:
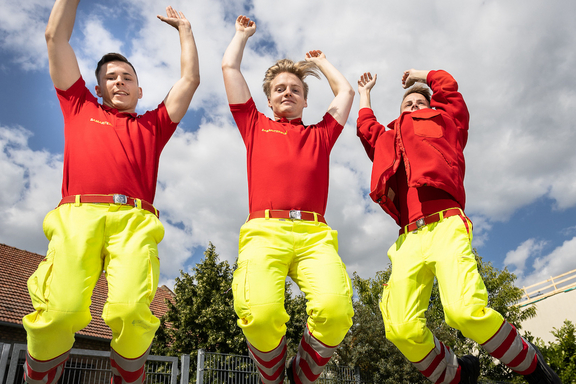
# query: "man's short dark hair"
[[112, 56]]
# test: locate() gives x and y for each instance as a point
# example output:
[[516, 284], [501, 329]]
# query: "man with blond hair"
[[286, 233], [105, 220], [418, 179]]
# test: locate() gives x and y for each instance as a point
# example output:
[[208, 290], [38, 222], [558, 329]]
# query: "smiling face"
[[118, 86], [287, 96], [414, 102]]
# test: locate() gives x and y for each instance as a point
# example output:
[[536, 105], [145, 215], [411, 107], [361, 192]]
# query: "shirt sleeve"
[[446, 97], [245, 115], [72, 99], [332, 127], [368, 130], [159, 121]]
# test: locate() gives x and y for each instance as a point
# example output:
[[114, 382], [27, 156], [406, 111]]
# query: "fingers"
[[314, 53], [367, 79], [244, 21]]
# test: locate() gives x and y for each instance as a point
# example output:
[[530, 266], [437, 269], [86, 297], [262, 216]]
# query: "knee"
[[130, 318], [465, 319], [330, 317], [264, 325], [408, 334]]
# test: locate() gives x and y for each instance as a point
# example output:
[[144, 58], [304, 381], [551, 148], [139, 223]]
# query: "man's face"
[[414, 102], [118, 86], [287, 96]]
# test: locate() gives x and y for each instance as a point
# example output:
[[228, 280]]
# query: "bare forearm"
[[232, 58], [365, 101], [189, 66], [337, 81], [61, 22]]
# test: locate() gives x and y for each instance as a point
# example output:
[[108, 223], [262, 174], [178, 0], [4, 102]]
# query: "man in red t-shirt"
[[418, 179], [105, 220], [286, 234]]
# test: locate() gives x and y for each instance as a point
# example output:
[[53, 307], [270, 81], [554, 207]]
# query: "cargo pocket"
[[153, 273], [241, 290], [384, 306], [39, 282]]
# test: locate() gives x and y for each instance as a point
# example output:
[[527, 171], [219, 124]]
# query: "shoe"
[[469, 369], [290, 370], [543, 374]]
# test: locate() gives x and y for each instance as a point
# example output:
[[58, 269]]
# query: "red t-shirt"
[[107, 152], [287, 162]]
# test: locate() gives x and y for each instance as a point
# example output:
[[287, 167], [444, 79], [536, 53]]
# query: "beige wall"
[[551, 313]]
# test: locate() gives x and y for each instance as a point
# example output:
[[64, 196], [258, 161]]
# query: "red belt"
[[111, 199], [430, 219], [293, 215]]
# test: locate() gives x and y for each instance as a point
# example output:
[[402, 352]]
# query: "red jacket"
[[430, 141]]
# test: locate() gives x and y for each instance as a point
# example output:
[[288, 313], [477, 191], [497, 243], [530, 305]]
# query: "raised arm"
[[344, 93], [365, 85], [236, 88], [178, 99], [62, 61]]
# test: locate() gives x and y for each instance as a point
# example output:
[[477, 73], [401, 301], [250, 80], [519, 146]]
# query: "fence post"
[[200, 367], [4, 359], [357, 377], [184, 369]]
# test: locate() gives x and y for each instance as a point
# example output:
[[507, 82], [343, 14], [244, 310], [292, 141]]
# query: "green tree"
[[366, 346], [561, 354], [202, 314]]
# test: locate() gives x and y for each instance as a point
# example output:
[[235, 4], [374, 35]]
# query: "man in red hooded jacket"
[[418, 179]]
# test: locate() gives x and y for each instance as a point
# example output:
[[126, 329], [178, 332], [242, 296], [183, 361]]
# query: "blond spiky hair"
[[300, 69]]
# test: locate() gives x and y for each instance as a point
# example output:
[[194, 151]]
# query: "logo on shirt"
[[275, 131], [100, 122]]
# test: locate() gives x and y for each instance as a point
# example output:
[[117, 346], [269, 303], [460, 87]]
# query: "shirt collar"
[[115, 111], [297, 121]]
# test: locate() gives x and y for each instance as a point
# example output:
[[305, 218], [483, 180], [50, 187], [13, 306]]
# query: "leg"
[[321, 275], [464, 297], [61, 288], [132, 270], [258, 288], [404, 303]]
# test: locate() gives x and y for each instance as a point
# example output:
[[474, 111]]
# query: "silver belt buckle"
[[419, 224], [120, 199], [295, 214]]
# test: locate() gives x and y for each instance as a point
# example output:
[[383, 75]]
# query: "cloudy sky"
[[514, 62]]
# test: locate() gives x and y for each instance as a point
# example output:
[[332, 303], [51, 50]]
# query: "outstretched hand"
[[366, 82], [244, 24], [315, 55], [174, 18]]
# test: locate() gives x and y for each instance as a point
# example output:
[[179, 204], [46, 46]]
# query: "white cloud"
[[557, 262], [31, 183], [520, 255]]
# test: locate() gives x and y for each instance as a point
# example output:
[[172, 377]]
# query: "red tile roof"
[[17, 265]]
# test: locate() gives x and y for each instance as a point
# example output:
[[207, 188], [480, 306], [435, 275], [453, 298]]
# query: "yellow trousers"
[[84, 240], [442, 249], [307, 251]]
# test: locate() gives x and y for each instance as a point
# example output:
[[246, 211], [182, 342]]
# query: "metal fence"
[[91, 367], [219, 368]]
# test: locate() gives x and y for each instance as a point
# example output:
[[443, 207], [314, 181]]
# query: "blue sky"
[[514, 62]]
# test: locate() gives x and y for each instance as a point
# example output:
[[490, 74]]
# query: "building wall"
[[551, 313]]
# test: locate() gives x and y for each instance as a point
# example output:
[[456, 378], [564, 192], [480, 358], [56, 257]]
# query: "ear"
[[305, 103], [97, 89], [270, 105], [139, 92]]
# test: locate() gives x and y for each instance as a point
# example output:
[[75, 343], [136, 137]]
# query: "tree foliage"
[[380, 361], [561, 354], [202, 314]]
